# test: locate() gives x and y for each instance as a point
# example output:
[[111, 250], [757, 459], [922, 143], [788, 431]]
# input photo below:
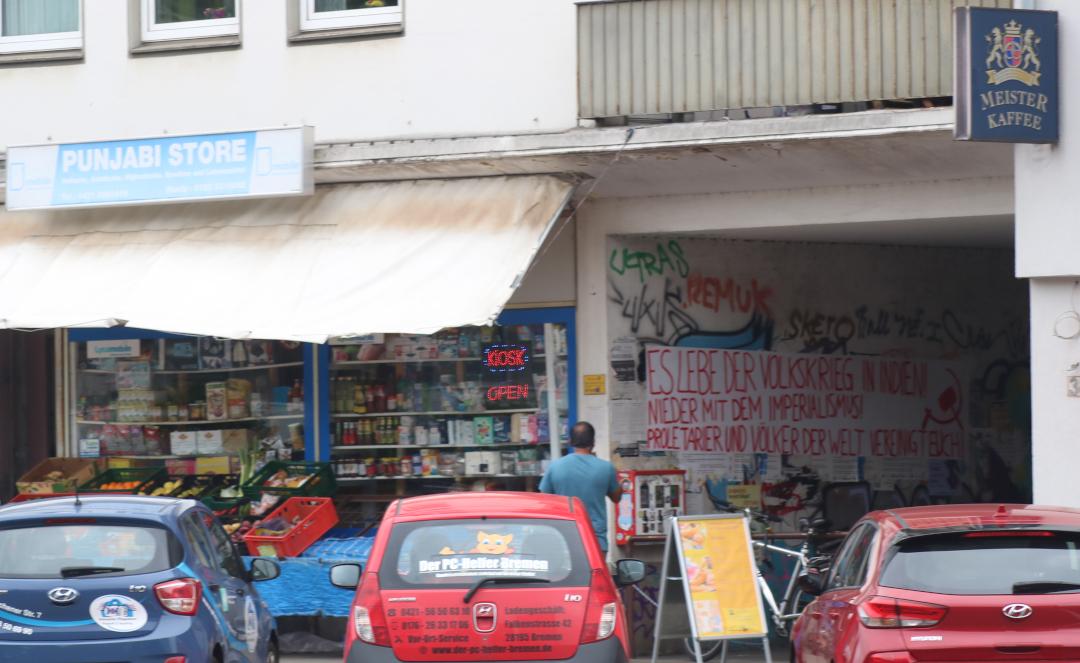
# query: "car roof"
[[963, 517], [494, 504], [151, 508]]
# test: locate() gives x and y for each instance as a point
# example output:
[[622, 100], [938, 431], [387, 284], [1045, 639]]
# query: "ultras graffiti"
[[668, 258]]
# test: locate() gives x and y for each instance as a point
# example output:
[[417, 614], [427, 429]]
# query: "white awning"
[[407, 257]]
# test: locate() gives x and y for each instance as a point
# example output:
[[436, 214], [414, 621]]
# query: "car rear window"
[[456, 553], [84, 550], [985, 563]]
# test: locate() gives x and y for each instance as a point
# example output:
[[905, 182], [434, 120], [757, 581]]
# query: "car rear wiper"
[[499, 580], [75, 571], [1044, 587]]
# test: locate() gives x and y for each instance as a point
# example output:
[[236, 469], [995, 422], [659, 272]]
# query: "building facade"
[[758, 177]]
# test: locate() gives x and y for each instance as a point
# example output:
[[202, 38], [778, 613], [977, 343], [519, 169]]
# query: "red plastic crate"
[[314, 517], [26, 497]]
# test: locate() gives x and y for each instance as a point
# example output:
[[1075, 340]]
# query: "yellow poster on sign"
[[720, 577]]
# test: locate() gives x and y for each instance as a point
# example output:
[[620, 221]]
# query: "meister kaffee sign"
[[1006, 79]]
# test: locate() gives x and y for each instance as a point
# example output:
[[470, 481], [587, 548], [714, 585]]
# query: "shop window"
[[164, 20], [324, 15], [208, 404], [40, 25], [474, 407]]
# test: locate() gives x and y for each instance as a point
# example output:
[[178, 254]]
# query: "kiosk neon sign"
[[506, 358]]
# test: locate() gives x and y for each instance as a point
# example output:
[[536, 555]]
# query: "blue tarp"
[[304, 588]]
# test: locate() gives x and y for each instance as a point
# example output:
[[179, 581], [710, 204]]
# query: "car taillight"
[[601, 611], [369, 623], [885, 612], [889, 657], [180, 597], [176, 659]]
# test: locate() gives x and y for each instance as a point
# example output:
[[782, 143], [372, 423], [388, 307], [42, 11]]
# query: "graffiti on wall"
[[922, 305]]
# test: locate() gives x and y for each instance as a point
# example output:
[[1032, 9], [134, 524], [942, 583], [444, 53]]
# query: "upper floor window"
[[40, 25], [189, 19], [337, 14]]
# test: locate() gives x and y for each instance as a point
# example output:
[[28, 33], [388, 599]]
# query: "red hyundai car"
[[966, 582], [496, 576]]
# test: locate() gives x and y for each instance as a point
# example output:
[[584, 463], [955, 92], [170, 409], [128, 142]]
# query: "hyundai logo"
[[1017, 611], [63, 595]]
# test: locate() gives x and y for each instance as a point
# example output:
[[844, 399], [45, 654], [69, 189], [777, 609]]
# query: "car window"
[[853, 558], [56, 551], [223, 549], [985, 563], [449, 553], [197, 542]]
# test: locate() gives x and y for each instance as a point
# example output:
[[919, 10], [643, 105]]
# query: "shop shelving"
[[438, 447], [239, 369], [190, 422], [446, 413]]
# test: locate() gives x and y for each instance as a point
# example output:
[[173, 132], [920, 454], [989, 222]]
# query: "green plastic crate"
[[321, 483]]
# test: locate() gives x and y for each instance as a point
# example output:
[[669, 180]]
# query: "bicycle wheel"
[[709, 649]]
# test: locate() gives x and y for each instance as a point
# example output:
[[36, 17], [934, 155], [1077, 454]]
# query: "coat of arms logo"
[[1012, 55]]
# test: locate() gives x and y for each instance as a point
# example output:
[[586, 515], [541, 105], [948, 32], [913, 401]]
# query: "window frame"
[[371, 17], [152, 31], [846, 555], [42, 41]]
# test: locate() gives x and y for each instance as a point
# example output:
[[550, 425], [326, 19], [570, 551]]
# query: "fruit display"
[[282, 479], [181, 487], [120, 485], [265, 504]]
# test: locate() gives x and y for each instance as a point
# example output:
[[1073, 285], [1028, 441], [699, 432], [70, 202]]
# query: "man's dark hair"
[[582, 435]]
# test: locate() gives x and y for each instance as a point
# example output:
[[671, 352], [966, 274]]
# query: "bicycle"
[[781, 613]]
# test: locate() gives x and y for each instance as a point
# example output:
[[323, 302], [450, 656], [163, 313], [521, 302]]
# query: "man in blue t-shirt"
[[583, 475]]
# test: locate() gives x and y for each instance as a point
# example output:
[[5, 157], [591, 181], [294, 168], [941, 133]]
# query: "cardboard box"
[[236, 440], [183, 443], [213, 353], [482, 463], [73, 472], [210, 442], [217, 401], [237, 394], [178, 466], [213, 465], [181, 354], [483, 431]]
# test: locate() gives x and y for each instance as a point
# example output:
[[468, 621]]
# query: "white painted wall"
[[1047, 234], [1048, 252], [1055, 417], [488, 67]]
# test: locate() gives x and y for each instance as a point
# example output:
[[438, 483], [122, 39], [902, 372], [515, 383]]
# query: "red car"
[[493, 576], [969, 582]]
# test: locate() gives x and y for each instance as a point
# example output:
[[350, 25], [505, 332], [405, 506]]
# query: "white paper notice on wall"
[[844, 468], [627, 421], [743, 466]]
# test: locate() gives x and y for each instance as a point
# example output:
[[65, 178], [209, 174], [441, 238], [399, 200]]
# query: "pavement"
[[741, 653]]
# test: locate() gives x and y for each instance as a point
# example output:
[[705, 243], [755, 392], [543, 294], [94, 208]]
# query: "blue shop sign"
[[248, 164], [1006, 75]]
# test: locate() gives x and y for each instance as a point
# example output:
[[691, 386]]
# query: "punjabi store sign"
[[169, 169], [1006, 79]]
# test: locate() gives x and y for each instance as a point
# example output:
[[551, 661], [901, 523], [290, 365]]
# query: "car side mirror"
[[811, 583], [345, 576], [263, 569], [629, 572]]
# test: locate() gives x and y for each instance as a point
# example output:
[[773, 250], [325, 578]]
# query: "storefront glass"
[[473, 407], [184, 396]]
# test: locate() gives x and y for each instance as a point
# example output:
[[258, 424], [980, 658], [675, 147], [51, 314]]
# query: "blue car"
[[106, 579]]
